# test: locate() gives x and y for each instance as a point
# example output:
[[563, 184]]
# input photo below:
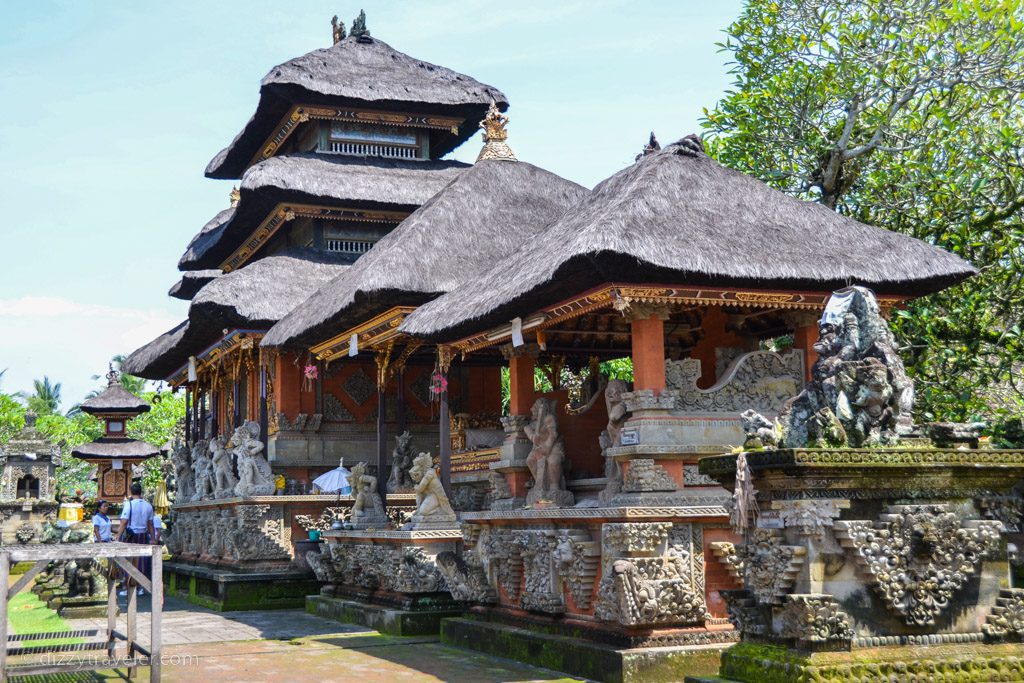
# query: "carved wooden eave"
[[282, 213], [302, 113], [230, 343], [621, 296], [375, 332]]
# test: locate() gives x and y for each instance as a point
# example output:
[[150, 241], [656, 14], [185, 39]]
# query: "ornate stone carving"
[[502, 561], [367, 507], [811, 618], [401, 463], [432, 506], [417, 573], [811, 516], [540, 592], [466, 580], [644, 474], [546, 457], [744, 612], [693, 477], [646, 399], [917, 557], [650, 575], [301, 423], [360, 387], [325, 520], [577, 558], [1007, 509], [224, 479], [858, 381], [321, 566], [617, 416], [761, 380], [768, 566], [1006, 622], [254, 475], [335, 410]]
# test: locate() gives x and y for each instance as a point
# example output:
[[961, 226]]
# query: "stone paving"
[[285, 646]]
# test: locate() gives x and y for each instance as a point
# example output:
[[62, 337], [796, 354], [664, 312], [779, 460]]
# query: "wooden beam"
[[382, 446], [5, 572], [156, 614], [134, 573], [445, 429], [26, 577], [73, 551]]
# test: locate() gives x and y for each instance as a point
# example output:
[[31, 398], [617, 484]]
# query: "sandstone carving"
[[202, 470], [432, 506], [254, 475], [768, 566], [917, 557], [617, 416], [224, 479], [466, 581], [814, 619], [761, 380], [644, 474], [1007, 619], [546, 457], [401, 463], [367, 507]]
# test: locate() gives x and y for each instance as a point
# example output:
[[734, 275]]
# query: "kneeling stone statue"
[[254, 475], [432, 507]]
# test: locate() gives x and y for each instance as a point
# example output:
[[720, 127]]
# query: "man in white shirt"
[[137, 527]]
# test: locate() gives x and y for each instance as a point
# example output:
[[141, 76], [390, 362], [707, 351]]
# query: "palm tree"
[[134, 384], [46, 399]]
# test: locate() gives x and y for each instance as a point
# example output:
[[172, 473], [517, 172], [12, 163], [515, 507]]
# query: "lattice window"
[[363, 149], [347, 246], [28, 487]]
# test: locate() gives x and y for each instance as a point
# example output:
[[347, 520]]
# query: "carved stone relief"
[[761, 380], [1007, 619], [335, 410], [644, 474], [360, 387], [768, 566], [917, 557], [814, 618]]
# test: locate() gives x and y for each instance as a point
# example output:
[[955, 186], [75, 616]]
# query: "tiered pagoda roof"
[[116, 405], [678, 216], [486, 213], [358, 71]]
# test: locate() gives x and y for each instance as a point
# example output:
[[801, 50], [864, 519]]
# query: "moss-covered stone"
[[389, 620], [963, 663], [227, 594], [577, 656]]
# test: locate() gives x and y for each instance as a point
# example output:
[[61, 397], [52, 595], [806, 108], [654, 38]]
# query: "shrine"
[[114, 454], [28, 488]]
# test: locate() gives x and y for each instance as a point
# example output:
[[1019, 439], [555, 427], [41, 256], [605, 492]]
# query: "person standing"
[[137, 527], [101, 523]]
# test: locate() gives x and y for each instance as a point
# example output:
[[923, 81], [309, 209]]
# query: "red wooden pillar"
[[648, 353], [804, 337], [520, 383]]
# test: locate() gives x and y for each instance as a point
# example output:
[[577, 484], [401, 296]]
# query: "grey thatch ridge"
[[355, 179], [204, 239], [140, 361], [373, 74], [681, 215], [115, 398], [109, 447], [191, 282], [264, 291], [478, 218]]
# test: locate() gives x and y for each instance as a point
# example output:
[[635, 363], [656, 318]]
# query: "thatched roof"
[[114, 399], [478, 218], [679, 216], [334, 180], [112, 447], [263, 292], [369, 74], [160, 357], [191, 282], [204, 239]]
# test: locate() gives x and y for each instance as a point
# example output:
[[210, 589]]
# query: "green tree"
[[907, 116], [46, 399], [12, 418]]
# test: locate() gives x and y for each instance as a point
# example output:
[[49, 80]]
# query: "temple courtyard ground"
[[289, 645]]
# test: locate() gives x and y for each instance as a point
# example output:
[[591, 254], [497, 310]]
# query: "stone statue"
[[617, 416], [254, 475], [183, 475], [202, 470], [367, 508], [546, 457], [401, 461], [759, 430], [337, 30], [359, 30], [432, 506], [224, 479], [859, 393]]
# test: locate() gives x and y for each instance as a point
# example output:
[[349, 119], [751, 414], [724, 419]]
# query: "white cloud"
[[69, 341]]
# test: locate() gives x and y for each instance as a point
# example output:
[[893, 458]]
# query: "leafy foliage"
[[46, 399], [12, 417], [907, 116]]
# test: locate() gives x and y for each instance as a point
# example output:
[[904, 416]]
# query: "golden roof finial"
[[234, 196], [495, 135], [337, 30]]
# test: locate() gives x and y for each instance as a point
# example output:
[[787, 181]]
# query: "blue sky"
[[112, 109]]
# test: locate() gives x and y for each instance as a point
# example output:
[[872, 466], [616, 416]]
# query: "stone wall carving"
[[501, 561], [650, 575], [301, 423], [1007, 619], [335, 410], [325, 520], [360, 387], [768, 566], [389, 567], [644, 474], [1007, 509], [577, 558], [917, 557], [236, 534], [466, 579], [744, 612], [813, 517], [811, 618], [761, 380], [541, 591]]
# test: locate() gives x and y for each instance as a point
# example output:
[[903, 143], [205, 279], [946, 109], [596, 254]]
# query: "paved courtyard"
[[291, 646]]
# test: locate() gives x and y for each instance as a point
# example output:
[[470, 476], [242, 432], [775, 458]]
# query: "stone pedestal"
[[386, 580], [876, 562], [612, 594]]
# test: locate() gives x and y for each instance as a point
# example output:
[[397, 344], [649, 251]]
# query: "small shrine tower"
[[27, 484], [114, 453]]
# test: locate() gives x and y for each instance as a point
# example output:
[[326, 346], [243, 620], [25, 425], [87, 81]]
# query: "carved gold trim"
[[234, 341], [283, 213], [610, 294], [375, 331], [301, 113]]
